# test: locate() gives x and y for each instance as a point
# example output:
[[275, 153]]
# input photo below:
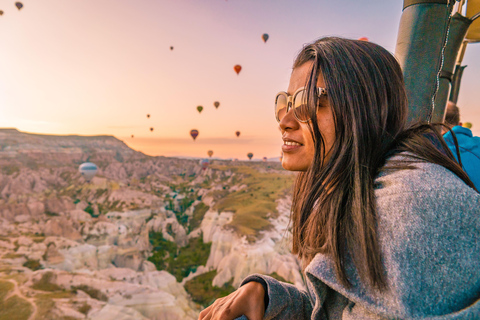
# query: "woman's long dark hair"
[[334, 209]]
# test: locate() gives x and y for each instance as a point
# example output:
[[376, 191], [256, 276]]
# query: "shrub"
[[33, 264], [45, 283]]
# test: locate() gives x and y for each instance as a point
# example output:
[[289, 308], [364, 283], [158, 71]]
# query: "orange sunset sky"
[[100, 66]]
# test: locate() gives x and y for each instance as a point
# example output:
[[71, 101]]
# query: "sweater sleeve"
[[285, 301]]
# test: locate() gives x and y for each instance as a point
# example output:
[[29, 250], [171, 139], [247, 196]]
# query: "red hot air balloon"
[[237, 133], [265, 37], [237, 68], [216, 104], [210, 153], [199, 109], [363, 39], [19, 5], [250, 155], [151, 129], [194, 133]]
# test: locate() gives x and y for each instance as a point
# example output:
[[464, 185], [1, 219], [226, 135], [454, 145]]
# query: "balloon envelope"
[[19, 5], [194, 134], [199, 108], [210, 153], [265, 37], [216, 104], [1, 13], [148, 116], [250, 155], [171, 48], [468, 125], [237, 133], [237, 68], [151, 129], [88, 170]]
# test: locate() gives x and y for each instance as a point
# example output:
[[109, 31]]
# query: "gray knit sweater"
[[429, 235]]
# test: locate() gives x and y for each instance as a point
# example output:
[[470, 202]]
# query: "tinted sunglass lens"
[[300, 106], [280, 107]]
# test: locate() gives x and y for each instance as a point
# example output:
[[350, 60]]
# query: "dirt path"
[[16, 291]]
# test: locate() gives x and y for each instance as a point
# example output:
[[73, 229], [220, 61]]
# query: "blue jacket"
[[429, 235], [469, 147]]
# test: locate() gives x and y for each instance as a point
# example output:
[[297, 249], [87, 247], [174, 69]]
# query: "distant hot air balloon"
[[237, 68], [151, 129], [194, 133], [237, 133], [204, 163], [1, 13], [250, 155], [148, 116], [132, 135], [216, 104], [363, 39], [210, 153], [264, 159], [265, 37], [171, 48], [19, 5], [88, 170], [199, 108], [468, 125]]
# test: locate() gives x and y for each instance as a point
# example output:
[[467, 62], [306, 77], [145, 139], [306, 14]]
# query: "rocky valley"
[[146, 238]]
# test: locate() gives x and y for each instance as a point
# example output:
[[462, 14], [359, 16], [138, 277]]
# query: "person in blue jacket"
[[468, 145], [386, 224]]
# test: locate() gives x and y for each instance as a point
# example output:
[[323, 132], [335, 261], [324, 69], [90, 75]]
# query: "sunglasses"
[[298, 102]]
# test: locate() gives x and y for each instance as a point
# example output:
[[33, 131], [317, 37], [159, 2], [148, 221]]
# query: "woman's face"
[[298, 147]]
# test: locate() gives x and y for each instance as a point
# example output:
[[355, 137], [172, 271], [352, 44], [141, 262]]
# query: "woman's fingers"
[[247, 300]]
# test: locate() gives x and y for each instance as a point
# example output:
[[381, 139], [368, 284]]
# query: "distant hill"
[[51, 149]]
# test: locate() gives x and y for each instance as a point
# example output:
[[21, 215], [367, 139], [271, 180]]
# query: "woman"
[[384, 220]]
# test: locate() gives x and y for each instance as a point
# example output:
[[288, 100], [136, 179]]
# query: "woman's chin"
[[290, 165]]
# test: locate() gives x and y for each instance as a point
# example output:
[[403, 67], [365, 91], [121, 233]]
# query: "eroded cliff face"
[[147, 238]]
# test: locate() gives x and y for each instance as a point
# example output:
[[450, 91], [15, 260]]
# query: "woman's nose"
[[289, 122]]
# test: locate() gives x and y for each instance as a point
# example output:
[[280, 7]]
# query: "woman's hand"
[[247, 300]]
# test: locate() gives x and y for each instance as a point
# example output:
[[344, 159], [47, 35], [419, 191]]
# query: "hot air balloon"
[[265, 37], [264, 159], [19, 5], [199, 108], [88, 170], [250, 155], [194, 133], [216, 104], [468, 125], [237, 133], [363, 39], [148, 116], [210, 153], [151, 129], [1, 13], [132, 135], [204, 163], [237, 68], [171, 48]]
